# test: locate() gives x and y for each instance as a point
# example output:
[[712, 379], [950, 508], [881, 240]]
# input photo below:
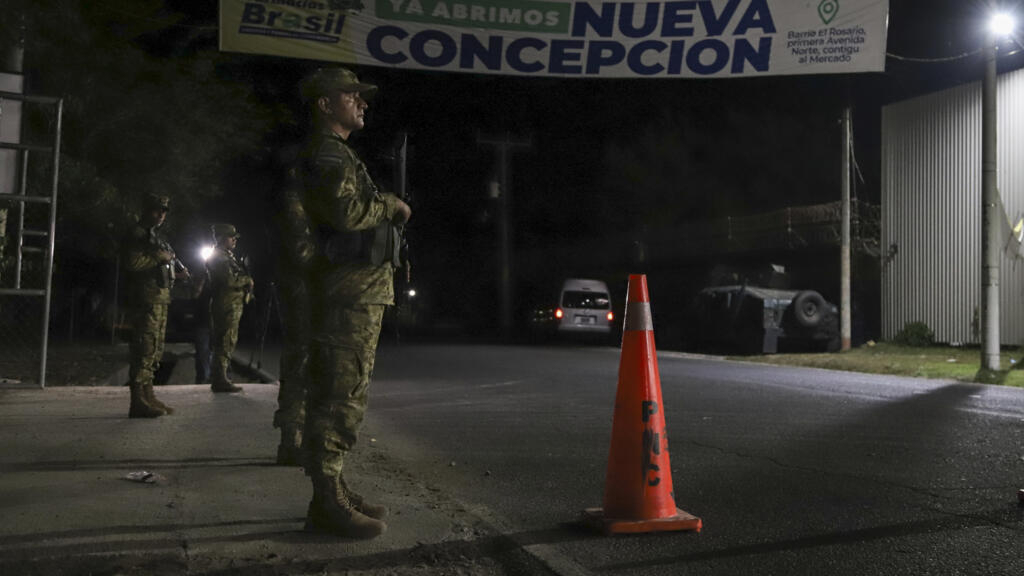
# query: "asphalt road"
[[793, 471], [487, 456]]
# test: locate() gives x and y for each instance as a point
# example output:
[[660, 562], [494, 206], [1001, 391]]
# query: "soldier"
[[149, 263], [231, 287], [351, 285], [296, 249]]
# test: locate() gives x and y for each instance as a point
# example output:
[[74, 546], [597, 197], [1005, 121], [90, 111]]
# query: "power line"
[[1013, 37], [946, 59]]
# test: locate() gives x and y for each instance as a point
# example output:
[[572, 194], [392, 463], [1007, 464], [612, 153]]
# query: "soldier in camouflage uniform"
[[357, 231], [296, 249], [231, 287], [150, 275]]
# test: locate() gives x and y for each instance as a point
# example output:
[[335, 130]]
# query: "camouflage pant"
[[226, 316], [146, 348], [341, 362], [295, 320]]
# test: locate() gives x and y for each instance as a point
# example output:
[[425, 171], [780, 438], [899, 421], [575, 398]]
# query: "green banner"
[[537, 17]]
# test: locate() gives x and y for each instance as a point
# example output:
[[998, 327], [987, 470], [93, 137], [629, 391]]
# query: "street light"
[[205, 252], [1001, 25]]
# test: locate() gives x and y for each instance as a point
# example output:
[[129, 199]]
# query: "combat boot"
[[376, 511], [140, 408], [289, 451], [221, 383], [152, 401], [331, 511]]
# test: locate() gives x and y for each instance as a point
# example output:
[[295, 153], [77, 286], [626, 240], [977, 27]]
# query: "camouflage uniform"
[[296, 251], [231, 286], [350, 293], [350, 286], [290, 416], [149, 277]]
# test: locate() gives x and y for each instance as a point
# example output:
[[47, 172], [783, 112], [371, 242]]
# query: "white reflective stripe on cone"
[[638, 316]]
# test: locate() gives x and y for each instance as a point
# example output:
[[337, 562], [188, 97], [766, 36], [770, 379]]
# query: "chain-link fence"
[[20, 339], [788, 228]]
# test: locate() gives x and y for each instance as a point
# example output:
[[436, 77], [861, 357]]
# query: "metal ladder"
[[20, 199]]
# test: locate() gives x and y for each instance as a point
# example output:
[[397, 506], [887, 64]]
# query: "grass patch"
[[944, 362]]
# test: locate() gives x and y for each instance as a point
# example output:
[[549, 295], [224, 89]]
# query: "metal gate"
[[28, 216]]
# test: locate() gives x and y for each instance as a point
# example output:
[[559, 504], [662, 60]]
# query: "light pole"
[[501, 191], [1000, 26], [844, 240]]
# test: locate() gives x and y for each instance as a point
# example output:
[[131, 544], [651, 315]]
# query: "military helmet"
[[327, 81], [156, 201], [224, 231]]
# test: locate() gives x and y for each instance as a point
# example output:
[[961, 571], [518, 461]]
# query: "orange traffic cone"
[[638, 494]]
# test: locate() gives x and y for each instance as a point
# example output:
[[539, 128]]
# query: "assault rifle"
[[397, 157], [243, 262], [402, 191], [177, 266]]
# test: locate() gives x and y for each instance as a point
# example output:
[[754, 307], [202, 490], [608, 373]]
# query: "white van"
[[584, 308]]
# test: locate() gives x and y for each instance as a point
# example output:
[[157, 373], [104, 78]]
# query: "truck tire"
[[809, 308]]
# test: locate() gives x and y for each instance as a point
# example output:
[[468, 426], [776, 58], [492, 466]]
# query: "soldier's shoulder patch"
[[334, 152]]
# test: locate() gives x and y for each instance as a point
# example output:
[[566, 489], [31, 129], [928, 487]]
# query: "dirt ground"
[[84, 364]]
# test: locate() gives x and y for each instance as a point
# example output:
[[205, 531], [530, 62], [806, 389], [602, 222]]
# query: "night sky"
[[572, 122], [727, 147], [750, 145]]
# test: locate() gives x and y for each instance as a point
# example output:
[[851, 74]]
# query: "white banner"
[[686, 39]]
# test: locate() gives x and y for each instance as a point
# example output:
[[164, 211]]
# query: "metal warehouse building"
[[931, 211]]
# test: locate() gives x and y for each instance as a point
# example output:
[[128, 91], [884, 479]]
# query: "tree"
[[136, 120]]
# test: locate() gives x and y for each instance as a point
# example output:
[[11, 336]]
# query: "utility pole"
[[844, 268], [503, 147], [990, 256]]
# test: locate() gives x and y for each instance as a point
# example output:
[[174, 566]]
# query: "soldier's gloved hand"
[[402, 213], [164, 256]]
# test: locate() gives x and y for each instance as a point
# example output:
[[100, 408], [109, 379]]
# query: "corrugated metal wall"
[[931, 210]]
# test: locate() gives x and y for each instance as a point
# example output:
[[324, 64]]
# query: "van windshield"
[[580, 299]]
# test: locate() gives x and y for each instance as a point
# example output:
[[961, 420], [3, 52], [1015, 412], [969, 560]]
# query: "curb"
[[244, 367], [120, 376]]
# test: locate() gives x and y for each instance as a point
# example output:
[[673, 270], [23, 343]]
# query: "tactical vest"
[[151, 284], [374, 246]]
